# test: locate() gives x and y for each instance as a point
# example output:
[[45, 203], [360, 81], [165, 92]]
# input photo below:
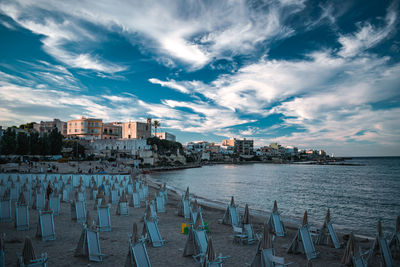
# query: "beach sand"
[[115, 243]]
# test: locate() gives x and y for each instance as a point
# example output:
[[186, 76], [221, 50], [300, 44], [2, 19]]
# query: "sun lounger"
[[303, 242], [45, 228], [21, 217], [89, 245], [277, 224], [55, 204], [123, 209], [135, 200], [268, 259], [27, 195], [201, 239], [387, 256], [5, 211], [358, 261], [40, 201], [103, 213], [153, 233], [14, 194], [308, 244], [114, 196], [40, 262], [248, 230], [231, 216], [332, 233], [65, 196], [160, 203], [137, 255], [80, 211]]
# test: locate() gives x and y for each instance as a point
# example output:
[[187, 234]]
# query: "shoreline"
[[258, 216]]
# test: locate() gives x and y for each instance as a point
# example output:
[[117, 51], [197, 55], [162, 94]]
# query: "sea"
[[358, 194]]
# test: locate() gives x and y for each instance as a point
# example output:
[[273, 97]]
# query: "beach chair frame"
[[80, 211], [93, 245], [201, 239], [138, 255], [153, 233], [47, 233], [5, 211], [334, 237], [279, 227], [307, 242], [21, 217], [55, 204], [103, 215]]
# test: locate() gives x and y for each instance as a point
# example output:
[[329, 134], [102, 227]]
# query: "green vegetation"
[[31, 143], [165, 147]]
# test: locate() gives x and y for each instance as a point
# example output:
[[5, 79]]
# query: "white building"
[[166, 136], [107, 147]]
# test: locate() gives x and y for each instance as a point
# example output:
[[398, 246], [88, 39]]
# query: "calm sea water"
[[357, 195]]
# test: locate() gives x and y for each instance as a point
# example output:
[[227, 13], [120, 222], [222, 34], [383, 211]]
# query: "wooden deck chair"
[[80, 211], [89, 245], [201, 240], [380, 244], [45, 228], [103, 217], [269, 259], [137, 255], [21, 216], [135, 200], [65, 195], [122, 209], [231, 216], [39, 262], [394, 245], [14, 193], [153, 211], [40, 201], [277, 224], [27, 195], [334, 237], [358, 261], [152, 233], [160, 203], [114, 196], [303, 243], [5, 210], [55, 204], [248, 231]]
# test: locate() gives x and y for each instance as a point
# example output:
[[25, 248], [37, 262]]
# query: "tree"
[[34, 143], [8, 142], [156, 124], [44, 144], [27, 126], [55, 142], [22, 144]]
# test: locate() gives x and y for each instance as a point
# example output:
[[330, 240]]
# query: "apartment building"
[[111, 130], [48, 126], [136, 130], [85, 128], [241, 147]]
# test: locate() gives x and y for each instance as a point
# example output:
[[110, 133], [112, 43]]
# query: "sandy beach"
[[115, 243]]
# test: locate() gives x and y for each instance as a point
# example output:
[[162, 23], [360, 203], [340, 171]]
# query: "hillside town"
[[137, 144]]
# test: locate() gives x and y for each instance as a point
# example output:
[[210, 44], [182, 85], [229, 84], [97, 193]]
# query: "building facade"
[[111, 131], [85, 128], [136, 130], [241, 147], [112, 147], [48, 126], [166, 136]]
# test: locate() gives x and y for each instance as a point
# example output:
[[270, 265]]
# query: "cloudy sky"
[[314, 75]]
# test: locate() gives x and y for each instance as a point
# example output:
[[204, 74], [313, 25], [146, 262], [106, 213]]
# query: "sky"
[[312, 74]]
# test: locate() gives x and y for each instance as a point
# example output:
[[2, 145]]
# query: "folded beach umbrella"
[[88, 219], [21, 198], [210, 253], [187, 193], [349, 251], [198, 223], [323, 237], [232, 201], [246, 215], [28, 252], [266, 240], [135, 234], [380, 233], [398, 224], [275, 208], [305, 219]]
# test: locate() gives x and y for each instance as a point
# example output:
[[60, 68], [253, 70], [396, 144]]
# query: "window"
[[76, 130], [97, 124], [129, 136], [75, 123], [129, 125]]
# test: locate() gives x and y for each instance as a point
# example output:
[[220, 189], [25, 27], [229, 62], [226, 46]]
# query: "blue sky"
[[312, 74]]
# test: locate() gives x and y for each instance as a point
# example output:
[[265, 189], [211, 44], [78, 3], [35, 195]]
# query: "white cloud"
[[171, 84], [57, 34], [368, 35], [193, 32]]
